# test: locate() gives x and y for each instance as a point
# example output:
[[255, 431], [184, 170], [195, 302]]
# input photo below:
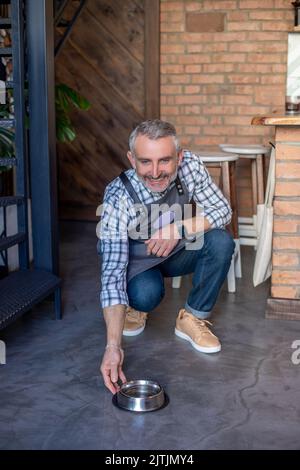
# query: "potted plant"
[[66, 99]]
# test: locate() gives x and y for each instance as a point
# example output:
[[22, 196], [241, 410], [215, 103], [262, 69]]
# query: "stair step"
[[63, 23], [7, 123], [5, 22], [11, 200], [5, 51], [22, 290], [7, 242], [8, 161]]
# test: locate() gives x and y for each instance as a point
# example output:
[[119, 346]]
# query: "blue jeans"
[[210, 265]]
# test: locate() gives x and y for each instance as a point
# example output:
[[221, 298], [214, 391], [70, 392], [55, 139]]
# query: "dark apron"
[[139, 261]]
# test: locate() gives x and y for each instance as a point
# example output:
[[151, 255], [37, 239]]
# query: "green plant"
[[65, 99], [7, 136]]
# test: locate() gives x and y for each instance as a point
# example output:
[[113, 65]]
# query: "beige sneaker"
[[196, 331], [135, 322]]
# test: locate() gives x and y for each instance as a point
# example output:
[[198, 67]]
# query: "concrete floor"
[[52, 397]]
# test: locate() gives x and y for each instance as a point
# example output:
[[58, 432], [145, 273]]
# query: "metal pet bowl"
[[140, 396]]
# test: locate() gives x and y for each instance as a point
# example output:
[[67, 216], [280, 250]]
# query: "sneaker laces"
[[203, 324], [135, 314]]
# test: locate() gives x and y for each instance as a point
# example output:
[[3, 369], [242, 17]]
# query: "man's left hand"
[[163, 241]]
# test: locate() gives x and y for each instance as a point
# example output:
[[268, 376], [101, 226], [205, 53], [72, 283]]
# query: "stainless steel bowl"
[[141, 396]]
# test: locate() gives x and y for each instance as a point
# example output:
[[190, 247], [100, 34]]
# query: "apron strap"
[[123, 177]]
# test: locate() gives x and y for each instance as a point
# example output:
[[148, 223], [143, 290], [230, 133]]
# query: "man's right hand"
[[111, 368]]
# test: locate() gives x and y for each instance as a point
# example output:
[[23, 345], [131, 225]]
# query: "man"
[[144, 238]]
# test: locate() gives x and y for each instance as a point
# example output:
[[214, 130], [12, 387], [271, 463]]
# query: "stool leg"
[[176, 282], [237, 259], [254, 185], [231, 277]]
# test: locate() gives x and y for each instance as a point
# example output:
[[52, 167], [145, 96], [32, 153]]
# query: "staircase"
[[23, 289], [66, 12]]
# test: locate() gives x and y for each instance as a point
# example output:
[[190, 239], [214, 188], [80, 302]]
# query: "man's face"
[[155, 161]]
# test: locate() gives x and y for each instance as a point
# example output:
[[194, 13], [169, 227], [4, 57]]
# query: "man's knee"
[[221, 244], [145, 297]]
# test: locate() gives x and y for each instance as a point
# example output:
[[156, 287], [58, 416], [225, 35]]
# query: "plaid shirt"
[[118, 216]]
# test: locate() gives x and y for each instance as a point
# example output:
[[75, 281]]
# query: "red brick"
[[220, 110], [218, 130], [285, 292], [275, 25], [236, 99], [216, 68], [192, 89], [220, 5], [286, 277], [268, 36], [171, 89], [172, 69], [286, 226], [271, 94], [283, 260], [171, 6], [286, 243], [287, 170], [266, 15], [256, 4], [279, 68], [190, 99], [243, 26], [208, 140], [265, 58], [172, 48], [194, 59], [192, 48], [287, 207], [255, 68], [190, 130], [215, 120], [291, 188], [237, 120], [192, 68], [240, 78], [288, 134], [230, 58], [171, 27], [213, 78], [171, 16], [215, 47], [237, 16], [281, 3], [287, 152], [192, 6], [273, 79], [169, 110], [192, 120]]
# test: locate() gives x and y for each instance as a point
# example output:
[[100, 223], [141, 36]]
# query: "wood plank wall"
[[104, 60]]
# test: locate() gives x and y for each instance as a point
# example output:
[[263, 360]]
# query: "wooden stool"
[[226, 162], [257, 153]]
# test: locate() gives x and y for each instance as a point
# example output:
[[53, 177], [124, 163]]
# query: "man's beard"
[[171, 179]]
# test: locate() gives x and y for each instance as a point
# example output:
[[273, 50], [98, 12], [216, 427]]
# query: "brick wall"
[[223, 61], [286, 239]]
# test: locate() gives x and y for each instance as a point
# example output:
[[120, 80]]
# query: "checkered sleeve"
[[113, 249], [207, 194]]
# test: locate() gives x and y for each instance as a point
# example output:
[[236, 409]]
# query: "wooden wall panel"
[[104, 60]]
